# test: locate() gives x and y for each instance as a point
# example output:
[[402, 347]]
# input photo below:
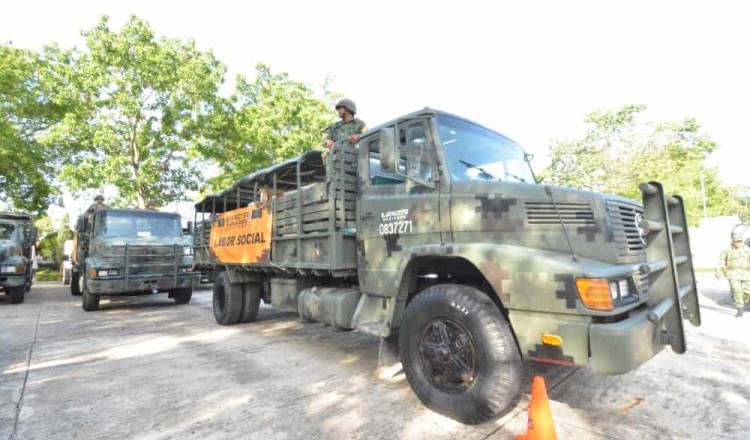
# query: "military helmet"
[[99, 198], [736, 236], [347, 104]]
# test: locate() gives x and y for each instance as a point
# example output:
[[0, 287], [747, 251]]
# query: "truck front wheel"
[[182, 295], [16, 294], [227, 300], [250, 301], [89, 301], [459, 354]]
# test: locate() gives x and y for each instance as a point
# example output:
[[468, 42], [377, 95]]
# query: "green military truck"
[[435, 229], [120, 252], [17, 238]]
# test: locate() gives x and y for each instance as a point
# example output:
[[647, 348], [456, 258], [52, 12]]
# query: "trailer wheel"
[[459, 354], [182, 295], [16, 294], [227, 300], [89, 301], [75, 288]]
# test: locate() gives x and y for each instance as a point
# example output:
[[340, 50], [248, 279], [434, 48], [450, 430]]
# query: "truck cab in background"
[[121, 252], [17, 238]]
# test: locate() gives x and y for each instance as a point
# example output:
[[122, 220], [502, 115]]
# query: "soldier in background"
[[151, 206], [349, 127], [98, 203], [734, 264]]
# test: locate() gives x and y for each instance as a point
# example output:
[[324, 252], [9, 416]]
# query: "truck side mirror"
[[387, 147], [34, 234], [190, 227]]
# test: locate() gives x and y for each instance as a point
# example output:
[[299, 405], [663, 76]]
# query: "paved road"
[[146, 368]]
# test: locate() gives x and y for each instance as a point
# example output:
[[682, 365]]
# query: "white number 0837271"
[[402, 227]]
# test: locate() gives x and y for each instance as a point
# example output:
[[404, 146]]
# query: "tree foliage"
[[141, 101], [29, 105], [266, 120], [619, 151]]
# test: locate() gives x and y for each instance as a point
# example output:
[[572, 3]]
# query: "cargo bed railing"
[[673, 295]]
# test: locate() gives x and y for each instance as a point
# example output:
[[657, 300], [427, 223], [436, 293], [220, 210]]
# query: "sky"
[[530, 70]]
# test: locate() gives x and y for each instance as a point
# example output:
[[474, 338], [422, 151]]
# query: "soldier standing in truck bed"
[[734, 264], [349, 127]]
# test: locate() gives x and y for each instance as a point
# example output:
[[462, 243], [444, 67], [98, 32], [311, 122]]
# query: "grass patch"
[[47, 275]]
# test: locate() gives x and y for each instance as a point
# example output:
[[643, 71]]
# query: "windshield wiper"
[[516, 177], [481, 170]]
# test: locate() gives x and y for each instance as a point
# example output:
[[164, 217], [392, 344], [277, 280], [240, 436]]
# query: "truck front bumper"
[[623, 346], [142, 284], [12, 280]]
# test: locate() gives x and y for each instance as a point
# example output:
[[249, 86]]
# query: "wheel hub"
[[447, 355]]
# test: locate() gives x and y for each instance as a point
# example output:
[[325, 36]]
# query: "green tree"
[[29, 107], [265, 121], [141, 102], [619, 151]]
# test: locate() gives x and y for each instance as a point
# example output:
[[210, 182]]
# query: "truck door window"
[[415, 150], [378, 176]]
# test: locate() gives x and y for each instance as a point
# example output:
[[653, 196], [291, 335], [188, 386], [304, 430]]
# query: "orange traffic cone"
[[540, 426]]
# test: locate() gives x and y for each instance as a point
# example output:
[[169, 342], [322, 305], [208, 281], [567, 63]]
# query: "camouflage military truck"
[[130, 252], [17, 238], [435, 230]]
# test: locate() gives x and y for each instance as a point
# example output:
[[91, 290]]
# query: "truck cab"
[[17, 238], [434, 230], [130, 252]]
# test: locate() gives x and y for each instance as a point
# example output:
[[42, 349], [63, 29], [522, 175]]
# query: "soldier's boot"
[[739, 312]]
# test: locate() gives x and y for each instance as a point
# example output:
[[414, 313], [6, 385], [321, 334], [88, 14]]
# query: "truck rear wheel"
[[89, 301], [75, 287], [182, 295], [227, 300], [16, 294], [250, 301], [459, 354]]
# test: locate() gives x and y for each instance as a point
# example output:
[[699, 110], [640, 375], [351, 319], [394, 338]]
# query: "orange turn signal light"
[[553, 340], [594, 293]]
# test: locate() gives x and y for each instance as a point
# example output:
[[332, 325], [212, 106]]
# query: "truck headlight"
[[185, 269], [620, 289], [107, 273], [19, 268]]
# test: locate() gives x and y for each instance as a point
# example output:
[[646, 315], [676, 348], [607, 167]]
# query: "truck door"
[[397, 209]]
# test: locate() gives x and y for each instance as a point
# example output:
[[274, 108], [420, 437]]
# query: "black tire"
[[89, 301], [182, 295], [75, 288], [478, 337], [17, 294], [227, 300], [250, 301]]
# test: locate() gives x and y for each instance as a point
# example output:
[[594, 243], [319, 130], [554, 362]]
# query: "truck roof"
[[136, 210], [16, 216]]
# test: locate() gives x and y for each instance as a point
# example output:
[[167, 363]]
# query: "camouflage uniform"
[[734, 264], [342, 130]]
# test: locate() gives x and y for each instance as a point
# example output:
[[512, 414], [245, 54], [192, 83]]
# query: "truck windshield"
[[476, 153], [6, 231], [137, 225]]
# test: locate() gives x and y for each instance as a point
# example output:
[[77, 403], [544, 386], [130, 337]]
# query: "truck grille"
[[144, 260], [573, 214], [622, 217]]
